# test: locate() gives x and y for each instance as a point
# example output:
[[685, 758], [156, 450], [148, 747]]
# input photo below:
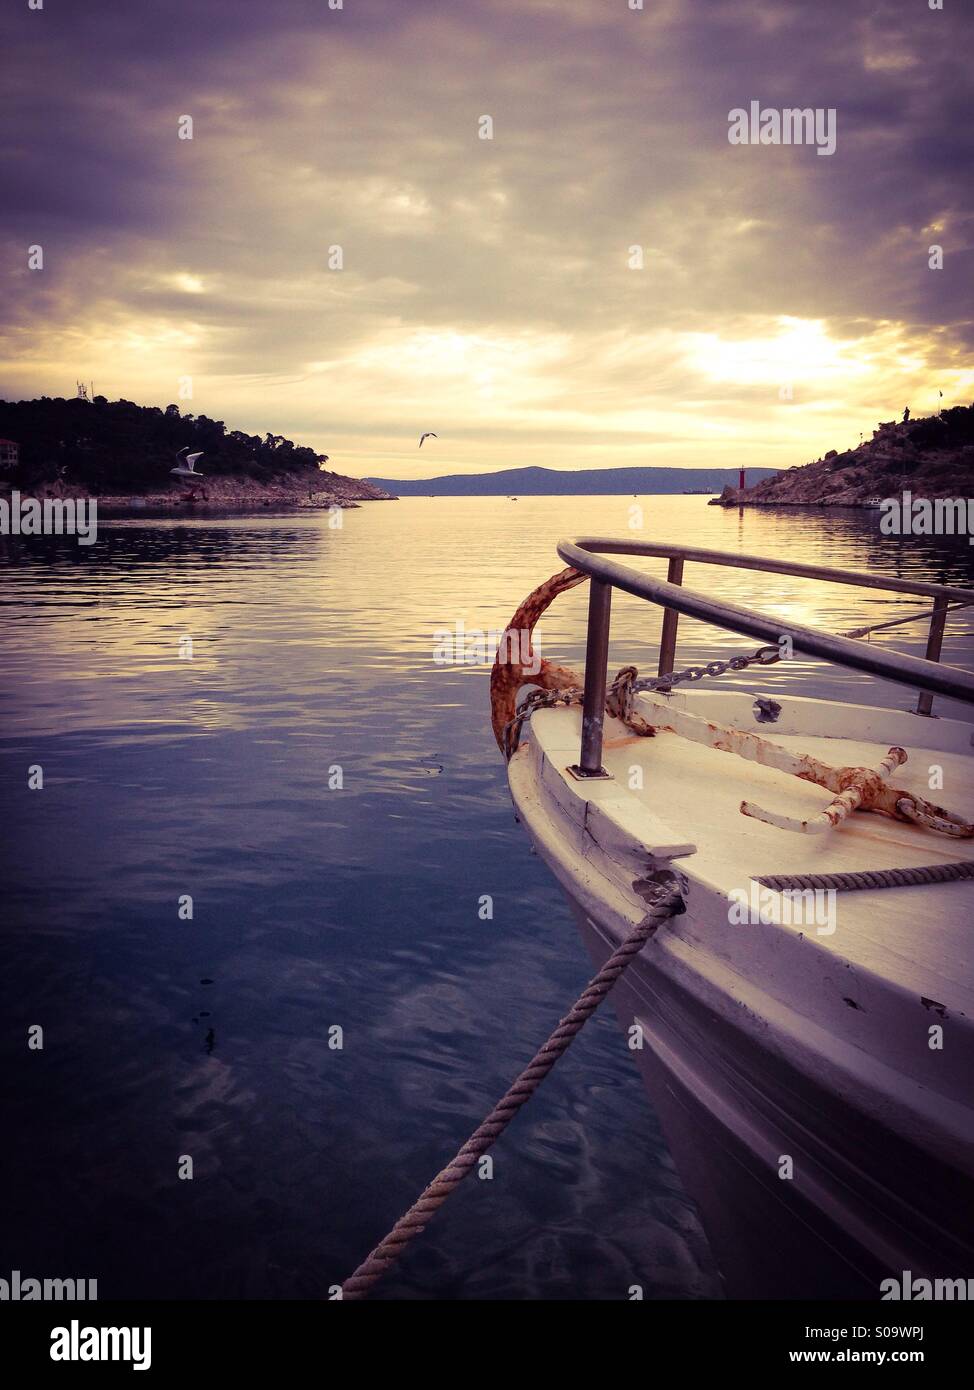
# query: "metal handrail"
[[587, 555], [611, 545]]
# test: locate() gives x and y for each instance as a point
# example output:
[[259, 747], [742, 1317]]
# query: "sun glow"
[[800, 350], [186, 283]]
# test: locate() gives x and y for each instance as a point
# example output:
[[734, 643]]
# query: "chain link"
[[764, 656], [626, 689]]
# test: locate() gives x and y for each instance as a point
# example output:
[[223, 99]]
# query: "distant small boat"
[[873, 503], [826, 1136]]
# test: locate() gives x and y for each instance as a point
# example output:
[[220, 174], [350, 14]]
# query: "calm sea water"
[[316, 907]]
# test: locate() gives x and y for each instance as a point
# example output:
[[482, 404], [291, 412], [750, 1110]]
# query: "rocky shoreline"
[[230, 493], [931, 457]]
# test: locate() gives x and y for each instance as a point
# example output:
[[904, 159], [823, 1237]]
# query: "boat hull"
[[825, 1134], [734, 1113]]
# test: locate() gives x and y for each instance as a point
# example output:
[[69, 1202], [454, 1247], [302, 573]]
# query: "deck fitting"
[[582, 775]]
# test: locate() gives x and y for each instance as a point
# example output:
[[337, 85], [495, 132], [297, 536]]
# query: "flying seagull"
[[186, 468], [428, 435]]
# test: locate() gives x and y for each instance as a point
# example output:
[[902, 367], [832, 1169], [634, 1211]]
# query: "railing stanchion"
[[671, 619], [596, 676], [935, 640]]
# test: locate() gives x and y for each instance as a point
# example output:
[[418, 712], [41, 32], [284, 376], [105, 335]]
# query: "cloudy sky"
[[487, 290]]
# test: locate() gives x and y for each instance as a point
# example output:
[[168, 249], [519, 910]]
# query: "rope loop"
[[871, 878]]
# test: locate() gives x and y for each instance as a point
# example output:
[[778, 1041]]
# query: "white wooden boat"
[[811, 1064]]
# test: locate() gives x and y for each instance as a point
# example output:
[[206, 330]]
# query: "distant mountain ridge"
[[581, 482]]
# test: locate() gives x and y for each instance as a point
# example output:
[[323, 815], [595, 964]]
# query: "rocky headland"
[[323, 490], [123, 454], [930, 457]]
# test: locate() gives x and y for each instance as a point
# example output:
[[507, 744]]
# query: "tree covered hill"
[[104, 447]]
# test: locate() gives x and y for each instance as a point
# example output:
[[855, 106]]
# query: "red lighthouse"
[[740, 482]]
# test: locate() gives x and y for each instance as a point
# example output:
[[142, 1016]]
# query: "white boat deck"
[[914, 942], [834, 1029]]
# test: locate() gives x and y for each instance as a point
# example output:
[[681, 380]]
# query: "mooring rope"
[[388, 1251], [872, 878], [898, 622]]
